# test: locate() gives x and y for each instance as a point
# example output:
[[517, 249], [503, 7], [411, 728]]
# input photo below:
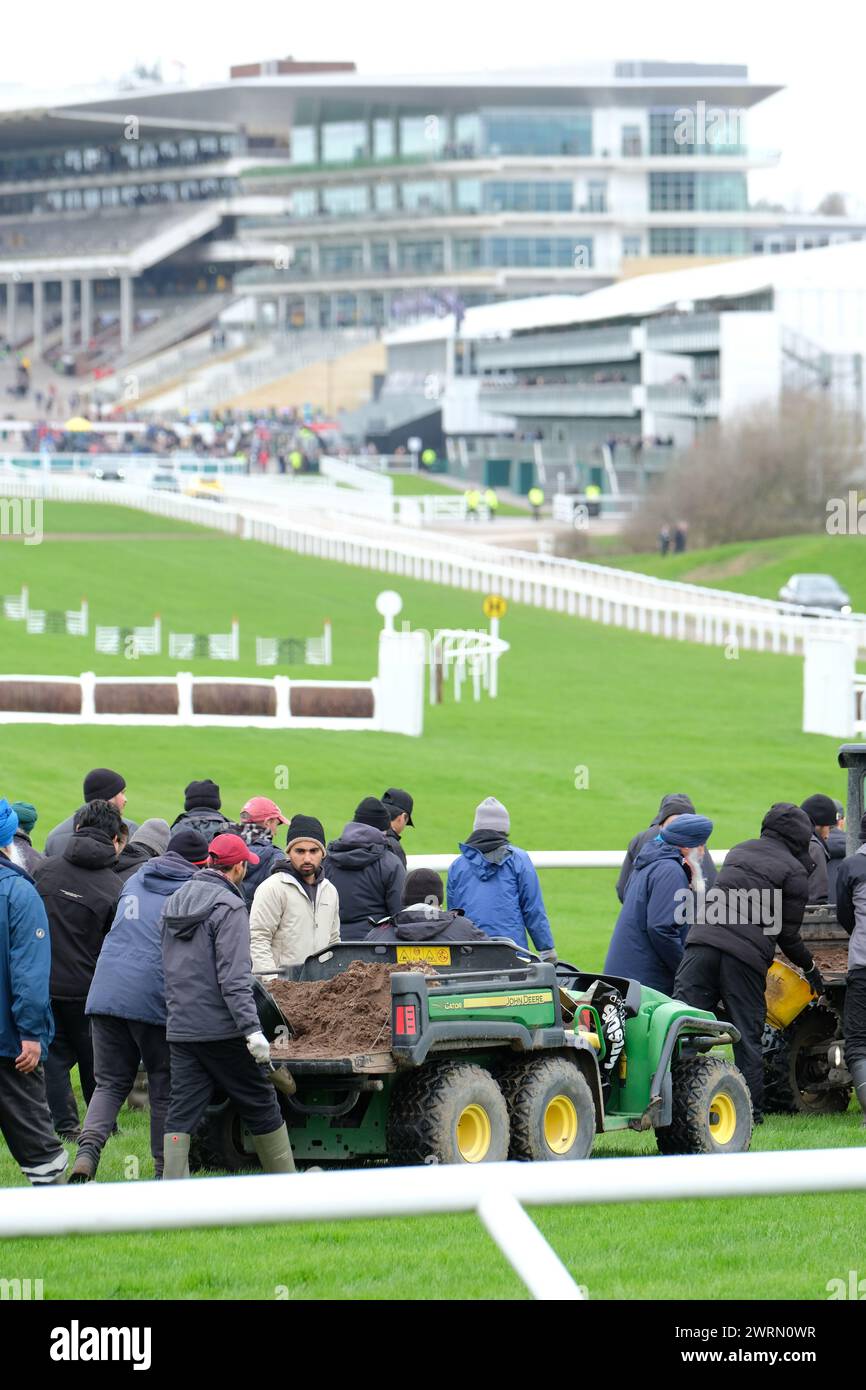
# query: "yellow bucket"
[[787, 994]]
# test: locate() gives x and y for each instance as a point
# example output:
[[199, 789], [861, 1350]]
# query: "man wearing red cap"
[[212, 1024], [261, 818]]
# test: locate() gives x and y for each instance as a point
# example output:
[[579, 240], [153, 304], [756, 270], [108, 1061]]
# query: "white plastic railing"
[[641, 603], [497, 1192]]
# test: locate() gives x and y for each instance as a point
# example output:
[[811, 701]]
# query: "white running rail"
[[497, 1192]]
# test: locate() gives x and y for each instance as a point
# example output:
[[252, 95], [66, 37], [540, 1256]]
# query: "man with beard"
[[296, 911], [674, 804], [650, 933]]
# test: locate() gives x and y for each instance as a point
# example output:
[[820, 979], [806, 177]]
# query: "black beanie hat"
[[373, 812], [820, 809], [305, 828], [102, 784], [190, 845], [205, 793], [422, 885]]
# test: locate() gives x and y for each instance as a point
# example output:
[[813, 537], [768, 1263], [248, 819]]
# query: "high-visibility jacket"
[[473, 497], [491, 500], [536, 496]]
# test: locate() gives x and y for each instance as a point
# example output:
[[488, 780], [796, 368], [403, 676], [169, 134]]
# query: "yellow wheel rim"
[[560, 1124], [473, 1134], [723, 1118]]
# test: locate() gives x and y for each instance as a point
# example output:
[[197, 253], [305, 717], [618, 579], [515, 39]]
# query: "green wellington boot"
[[176, 1155], [275, 1151]]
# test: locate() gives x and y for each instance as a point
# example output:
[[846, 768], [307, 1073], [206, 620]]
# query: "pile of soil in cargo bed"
[[335, 1018], [830, 960]]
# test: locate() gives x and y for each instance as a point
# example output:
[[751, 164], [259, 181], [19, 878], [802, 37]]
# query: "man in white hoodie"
[[296, 910]]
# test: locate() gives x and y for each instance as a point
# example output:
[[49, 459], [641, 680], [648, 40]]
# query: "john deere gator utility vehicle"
[[494, 1054]]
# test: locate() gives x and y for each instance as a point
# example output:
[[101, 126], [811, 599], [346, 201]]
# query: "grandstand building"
[[604, 387], [330, 199]]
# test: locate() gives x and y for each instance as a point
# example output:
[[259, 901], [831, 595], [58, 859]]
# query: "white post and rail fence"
[[639, 603], [497, 1192]]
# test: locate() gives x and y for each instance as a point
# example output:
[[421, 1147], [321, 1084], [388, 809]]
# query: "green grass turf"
[[82, 518], [760, 567], [644, 716]]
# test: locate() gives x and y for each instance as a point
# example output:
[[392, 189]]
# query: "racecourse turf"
[[591, 727]]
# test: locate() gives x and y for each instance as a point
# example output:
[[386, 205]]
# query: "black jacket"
[[205, 819], [819, 886], [776, 861], [421, 923], [80, 890], [131, 858], [837, 849], [367, 876], [674, 805], [392, 840]]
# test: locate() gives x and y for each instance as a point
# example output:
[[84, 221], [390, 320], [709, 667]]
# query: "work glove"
[[815, 980], [259, 1047], [550, 956]]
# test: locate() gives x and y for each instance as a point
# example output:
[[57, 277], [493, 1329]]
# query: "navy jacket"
[[128, 981], [647, 942], [25, 963], [367, 876]]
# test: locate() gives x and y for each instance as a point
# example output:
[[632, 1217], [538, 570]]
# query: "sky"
[[815, 52]]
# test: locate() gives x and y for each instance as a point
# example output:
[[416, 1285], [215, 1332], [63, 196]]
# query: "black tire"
[[447, 1112], [787, 1072], [708, 1094], [550, 1108], [218, 1144]]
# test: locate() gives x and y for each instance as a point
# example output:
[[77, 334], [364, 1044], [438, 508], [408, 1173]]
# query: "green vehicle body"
[[499, 1004]]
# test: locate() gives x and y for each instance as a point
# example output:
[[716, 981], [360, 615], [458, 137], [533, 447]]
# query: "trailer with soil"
[[477, 1052]]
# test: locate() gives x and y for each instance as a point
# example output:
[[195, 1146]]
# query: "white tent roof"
[[841, 267]]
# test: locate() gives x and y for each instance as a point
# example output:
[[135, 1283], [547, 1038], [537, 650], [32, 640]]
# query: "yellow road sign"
[[495, 606]]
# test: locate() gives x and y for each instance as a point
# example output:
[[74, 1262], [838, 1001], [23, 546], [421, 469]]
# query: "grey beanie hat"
[[153, 834], [492, 815]]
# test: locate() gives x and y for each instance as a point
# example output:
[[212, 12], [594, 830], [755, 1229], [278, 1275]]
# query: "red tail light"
[[405, 1023]]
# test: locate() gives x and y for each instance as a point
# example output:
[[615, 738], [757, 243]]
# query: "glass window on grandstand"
[[467, 195], [344, 141], [422, 136], [305, 202], [384, 138], [540, 252], [537, 132], [467, 253], [384, 197], [347, 201], [303, 145], [346, 310], [632, 245], [526, 196], [335, 260], [425, 195], [468, 135], [420, 255], [380, 256]]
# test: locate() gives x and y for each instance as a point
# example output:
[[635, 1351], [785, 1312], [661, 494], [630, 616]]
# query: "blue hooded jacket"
[[503, 899], [128, 981], [647, 943], [25, 963]]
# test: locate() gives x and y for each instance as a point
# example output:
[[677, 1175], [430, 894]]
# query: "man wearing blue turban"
[[650, 932]]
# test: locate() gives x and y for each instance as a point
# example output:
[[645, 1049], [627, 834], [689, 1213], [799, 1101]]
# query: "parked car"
[[816, 591], [163, 481], [107, 475]]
